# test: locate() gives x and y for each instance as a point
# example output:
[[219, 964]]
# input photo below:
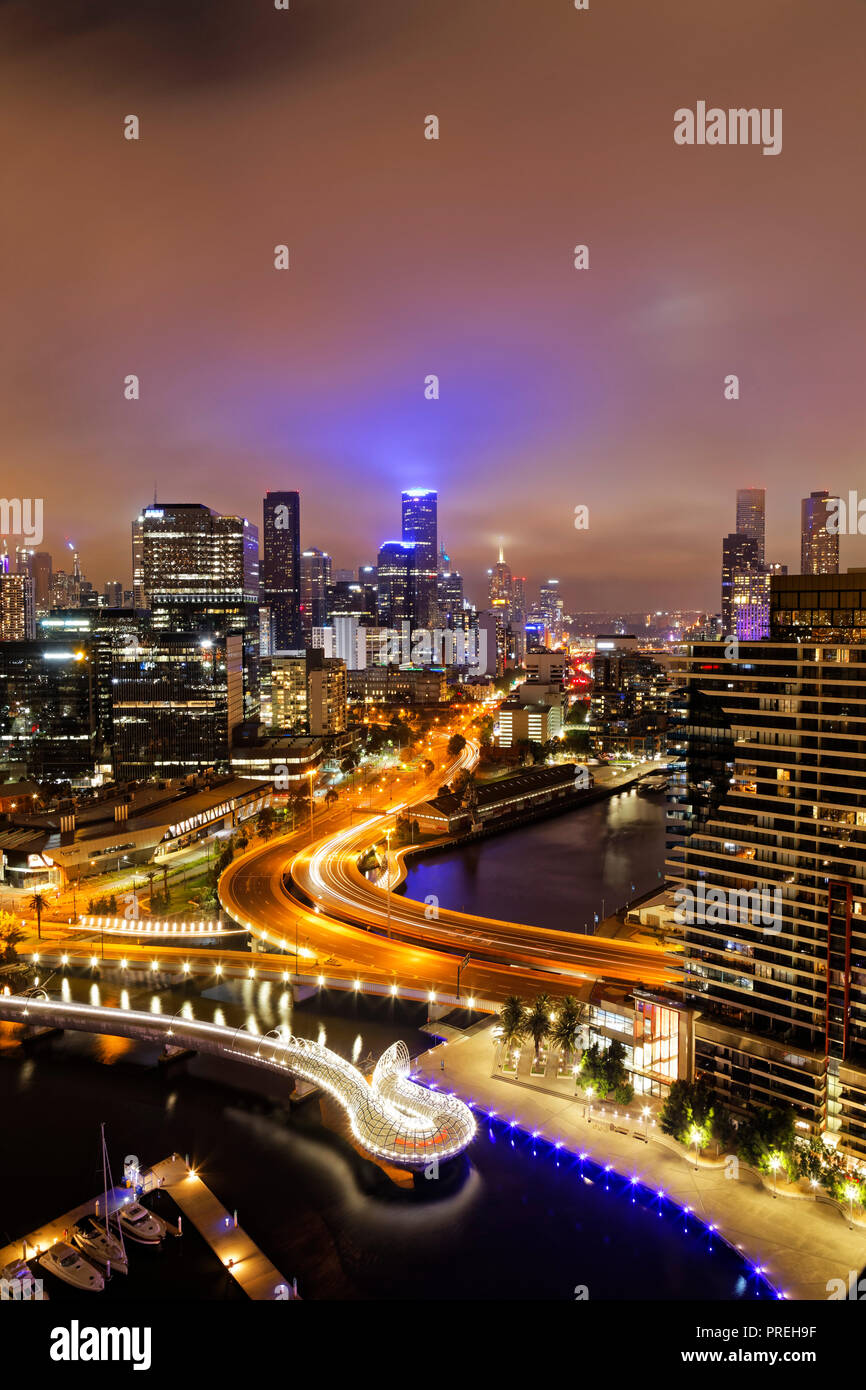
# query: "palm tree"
[[512, 1021], [38, 904], [569, 1012], [538, 1023], [331, 796]]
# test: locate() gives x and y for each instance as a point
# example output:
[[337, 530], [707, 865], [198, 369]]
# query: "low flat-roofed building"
[[527, 723], [284, 760], [144, 825]]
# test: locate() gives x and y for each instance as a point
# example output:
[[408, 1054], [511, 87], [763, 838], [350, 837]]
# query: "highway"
[[348, 922]]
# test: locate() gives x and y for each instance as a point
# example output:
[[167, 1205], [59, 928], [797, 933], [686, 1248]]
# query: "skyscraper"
[[420, 527], [739, 556], [770, 875], [42, 581], [199, 575], [552, 607], [17, 609], [499, 585], [395, 598], [751, 508], [315, 581], [281, 569], [819, 548]]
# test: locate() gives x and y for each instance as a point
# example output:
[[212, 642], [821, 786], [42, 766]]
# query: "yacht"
[[22, 1274], [70, 1266], [139, 1224], [99, 1243]]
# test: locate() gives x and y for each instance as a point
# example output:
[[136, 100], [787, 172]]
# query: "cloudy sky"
[[411, 257]]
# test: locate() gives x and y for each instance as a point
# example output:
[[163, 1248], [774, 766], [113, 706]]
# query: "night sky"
[[408, 257]]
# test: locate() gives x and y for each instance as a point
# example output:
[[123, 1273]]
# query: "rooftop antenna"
[[501, 552]]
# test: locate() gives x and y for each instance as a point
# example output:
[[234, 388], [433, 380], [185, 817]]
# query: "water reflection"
[[595, 859]]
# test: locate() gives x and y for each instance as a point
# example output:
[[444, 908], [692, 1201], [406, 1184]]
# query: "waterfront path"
[[801, 1244], [244, 1261]]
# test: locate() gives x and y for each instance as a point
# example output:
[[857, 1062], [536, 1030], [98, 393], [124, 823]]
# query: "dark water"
[[556, 873], [502, 1222]]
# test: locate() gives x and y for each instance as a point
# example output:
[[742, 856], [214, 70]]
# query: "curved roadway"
[[350, 921]]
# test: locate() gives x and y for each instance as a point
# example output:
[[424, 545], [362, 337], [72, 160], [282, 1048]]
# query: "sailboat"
[[94, 1236]]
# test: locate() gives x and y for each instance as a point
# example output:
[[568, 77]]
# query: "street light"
[[695, 1139], [590, 1092], [775, 1164], [646, 1112], [851, 1193], [310, 775]]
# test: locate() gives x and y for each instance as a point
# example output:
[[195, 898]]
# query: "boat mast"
[[106, 1170]]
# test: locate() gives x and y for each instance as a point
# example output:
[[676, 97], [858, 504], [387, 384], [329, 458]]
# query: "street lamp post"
[[645, 1112], [589, 1095], [850, 1193], [696, 1139], [774, 1164], [310, 775]]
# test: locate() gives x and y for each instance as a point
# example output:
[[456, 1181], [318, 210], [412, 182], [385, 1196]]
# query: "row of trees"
[[766, 1139]]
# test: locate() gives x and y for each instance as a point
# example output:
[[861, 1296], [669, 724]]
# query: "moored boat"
[[70, 1265]]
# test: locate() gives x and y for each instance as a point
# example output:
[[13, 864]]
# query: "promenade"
[[800, 1243]]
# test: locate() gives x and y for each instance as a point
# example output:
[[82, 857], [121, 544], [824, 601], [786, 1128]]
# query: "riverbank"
[[801, 1245], [501, 826]]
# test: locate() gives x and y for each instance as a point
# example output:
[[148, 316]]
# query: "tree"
[[456, 744], [265, 822], [331, 796], [512, 1021], [38, 905], [569, 1012], [688, 1110], [604, 1070], [538, 1023], [428, 767], [350, 762], [10, 935], [767, 1131]]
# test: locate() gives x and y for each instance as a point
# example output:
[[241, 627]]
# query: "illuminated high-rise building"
[[395, 595], [281, 569], [419, 506], [499, 586], [739, 557], [315, 582], [751, 510], [552, 608], [17, 607], [199, 575], [819, 548]]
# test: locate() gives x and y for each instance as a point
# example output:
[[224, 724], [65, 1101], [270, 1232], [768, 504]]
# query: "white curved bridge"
[[391, 1116]]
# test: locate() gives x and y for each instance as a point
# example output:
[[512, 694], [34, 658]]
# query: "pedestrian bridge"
[[391, 1116]]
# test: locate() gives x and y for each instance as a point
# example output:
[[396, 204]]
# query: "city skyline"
[[601, 388]]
